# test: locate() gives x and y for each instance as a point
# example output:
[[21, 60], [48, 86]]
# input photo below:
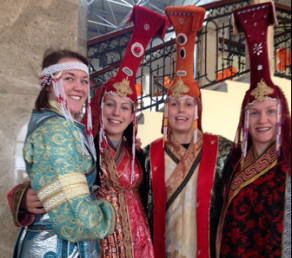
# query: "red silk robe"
[[132, 236]]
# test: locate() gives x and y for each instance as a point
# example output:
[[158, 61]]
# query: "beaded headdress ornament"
[[52, 75], [187, 21], [254, 21]]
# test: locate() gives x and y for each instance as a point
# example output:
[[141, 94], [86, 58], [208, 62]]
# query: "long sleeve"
[[218, 190], [146, 189], [20, 218], [57, 168]]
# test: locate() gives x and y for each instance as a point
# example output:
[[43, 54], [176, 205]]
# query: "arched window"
[[19, 164]]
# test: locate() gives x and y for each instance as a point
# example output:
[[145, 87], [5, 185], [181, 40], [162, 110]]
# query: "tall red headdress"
[[187, 21], [254, 21], [146, 24]]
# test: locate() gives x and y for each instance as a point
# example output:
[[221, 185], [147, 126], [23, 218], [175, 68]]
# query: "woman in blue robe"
[[60, 162]]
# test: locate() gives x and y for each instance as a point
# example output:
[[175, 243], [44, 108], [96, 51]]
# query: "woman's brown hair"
[[52, 57]]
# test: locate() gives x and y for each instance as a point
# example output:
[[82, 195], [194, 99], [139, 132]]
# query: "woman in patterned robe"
[[61, 166], [131, 237], [256, 217], [121, 174]]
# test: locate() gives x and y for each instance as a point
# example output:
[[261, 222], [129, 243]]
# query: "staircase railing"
[[282, 42]]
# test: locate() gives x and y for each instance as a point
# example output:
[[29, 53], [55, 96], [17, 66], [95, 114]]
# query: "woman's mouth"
[[181, 119], [263, 129], [77, 98], [114, 122]]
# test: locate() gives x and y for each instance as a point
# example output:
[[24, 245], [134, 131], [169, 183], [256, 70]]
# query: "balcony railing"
[[219, 54], [282, 42]]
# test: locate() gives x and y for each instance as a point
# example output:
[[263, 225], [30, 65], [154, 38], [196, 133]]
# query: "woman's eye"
[[271, 112], [254, 113], [69, 79], [85, 82], [109, 105], [125, 108]]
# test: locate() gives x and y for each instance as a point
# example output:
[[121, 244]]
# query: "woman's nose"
[[116, 111], [263, 118], [78, 86], [181, 108]]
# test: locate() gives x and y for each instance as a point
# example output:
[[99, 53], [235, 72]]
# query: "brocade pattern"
[[254, 222], [52, 151], [131, 238]]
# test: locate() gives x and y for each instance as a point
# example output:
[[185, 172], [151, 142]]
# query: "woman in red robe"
[[256, 217]]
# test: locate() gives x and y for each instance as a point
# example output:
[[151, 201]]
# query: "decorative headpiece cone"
[[187, 21], [254, 21], [146, 24]]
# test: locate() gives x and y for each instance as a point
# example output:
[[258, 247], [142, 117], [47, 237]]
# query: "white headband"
[[65, 67], [61, 97], [183, 97], [255, 101]]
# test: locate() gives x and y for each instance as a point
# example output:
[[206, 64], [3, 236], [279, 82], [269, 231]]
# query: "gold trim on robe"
[[181, 218], [62, 189], [123, 232], [252, 171], [254, 167], [174, 178], [132, 236], [17, 198]]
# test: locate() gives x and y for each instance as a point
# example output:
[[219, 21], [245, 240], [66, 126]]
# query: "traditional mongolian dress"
[[120, 173], [256, 216], [183, 205], [63, 177], [132, 236]]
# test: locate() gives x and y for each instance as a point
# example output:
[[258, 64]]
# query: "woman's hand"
[[31, 203], [138, 144]]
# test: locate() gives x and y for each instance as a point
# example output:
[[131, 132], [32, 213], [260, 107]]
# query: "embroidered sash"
[[187, 161], [252, 170], [185, 181], [120, 243]]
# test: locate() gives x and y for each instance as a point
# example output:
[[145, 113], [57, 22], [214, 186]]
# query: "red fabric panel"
[[204, 193], [159, 198]]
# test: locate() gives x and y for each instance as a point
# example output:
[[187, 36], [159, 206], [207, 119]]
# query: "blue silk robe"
[[63, 177]]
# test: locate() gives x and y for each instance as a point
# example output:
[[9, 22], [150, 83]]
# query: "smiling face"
[[76, 87], [181, 113], [117, 115], [263, 123]]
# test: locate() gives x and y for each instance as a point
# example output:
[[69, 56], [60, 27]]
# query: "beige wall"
[[220, 111], [27, 29]]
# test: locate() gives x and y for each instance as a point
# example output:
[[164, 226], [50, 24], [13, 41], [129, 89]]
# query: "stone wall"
[[27, 29]]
